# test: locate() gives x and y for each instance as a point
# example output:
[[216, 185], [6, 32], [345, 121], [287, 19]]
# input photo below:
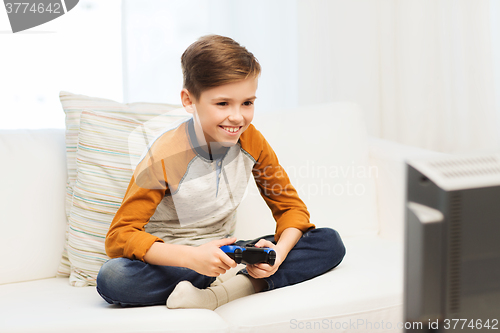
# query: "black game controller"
[[250, 255]]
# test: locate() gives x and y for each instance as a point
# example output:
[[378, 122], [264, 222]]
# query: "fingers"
[[219, 264], [260, 271], [218, 269], [227, 261], [223, 268], [224, 258], [225, 241], [264, 267], [257, 274], [264, 243], [251, 272], [224, 261]]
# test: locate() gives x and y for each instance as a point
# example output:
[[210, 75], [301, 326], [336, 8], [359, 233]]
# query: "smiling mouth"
[[231, 129]]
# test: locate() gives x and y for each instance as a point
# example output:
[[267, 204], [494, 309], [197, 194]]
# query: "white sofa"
[[364, 293]]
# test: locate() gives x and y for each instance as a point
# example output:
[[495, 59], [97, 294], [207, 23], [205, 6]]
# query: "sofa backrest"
[[32, 216], [389, 158], [324, 150]]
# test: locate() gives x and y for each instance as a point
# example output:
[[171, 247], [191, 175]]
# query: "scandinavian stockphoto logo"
[[28, 14]]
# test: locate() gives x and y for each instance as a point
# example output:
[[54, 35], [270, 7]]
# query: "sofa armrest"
[[388, 158], [32, 199]]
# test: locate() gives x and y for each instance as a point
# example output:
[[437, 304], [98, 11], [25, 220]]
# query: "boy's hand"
[[259, 271], [208, 259]]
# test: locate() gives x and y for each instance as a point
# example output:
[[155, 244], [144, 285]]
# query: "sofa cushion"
[[324, 150], [73, 105], [367, 287], [32, 219], [109, 148], [53, 306]]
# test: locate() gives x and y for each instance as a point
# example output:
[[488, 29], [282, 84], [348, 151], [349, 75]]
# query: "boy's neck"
[[215, 150]]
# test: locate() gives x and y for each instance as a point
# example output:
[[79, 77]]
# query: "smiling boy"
[[180, 205]]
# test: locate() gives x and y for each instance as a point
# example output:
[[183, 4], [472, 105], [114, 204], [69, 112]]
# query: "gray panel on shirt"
[[204, 206]]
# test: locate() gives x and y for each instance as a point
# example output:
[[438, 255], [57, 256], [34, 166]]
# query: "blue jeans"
[[135, 283]]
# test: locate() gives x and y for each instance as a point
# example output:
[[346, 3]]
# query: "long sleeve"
[[126, 236]]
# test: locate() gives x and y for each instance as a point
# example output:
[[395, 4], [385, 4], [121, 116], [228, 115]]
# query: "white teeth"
[[231, 129]]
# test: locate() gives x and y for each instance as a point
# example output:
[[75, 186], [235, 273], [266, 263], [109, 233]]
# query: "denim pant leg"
[[317, 251], [135, 283]]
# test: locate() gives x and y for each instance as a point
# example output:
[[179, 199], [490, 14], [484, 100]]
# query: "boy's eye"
[[247, 103]]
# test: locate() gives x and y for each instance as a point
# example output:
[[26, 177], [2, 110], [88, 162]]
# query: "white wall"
[[495, 38], [422, 70], [79, 52], [339, 55], [157, 32]]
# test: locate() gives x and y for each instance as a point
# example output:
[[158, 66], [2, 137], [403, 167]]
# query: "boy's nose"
[[235, 115]]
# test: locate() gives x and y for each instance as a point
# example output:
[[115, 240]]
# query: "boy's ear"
[[187, 101]]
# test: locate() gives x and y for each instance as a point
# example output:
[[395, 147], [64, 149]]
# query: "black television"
[[452, 244]]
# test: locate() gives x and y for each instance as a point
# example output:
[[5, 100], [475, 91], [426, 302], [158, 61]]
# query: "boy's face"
[[222, 112]]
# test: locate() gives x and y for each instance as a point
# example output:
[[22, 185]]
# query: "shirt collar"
[[200, 150]]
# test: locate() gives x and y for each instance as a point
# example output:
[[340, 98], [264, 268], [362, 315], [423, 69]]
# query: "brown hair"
[[215, 60]]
